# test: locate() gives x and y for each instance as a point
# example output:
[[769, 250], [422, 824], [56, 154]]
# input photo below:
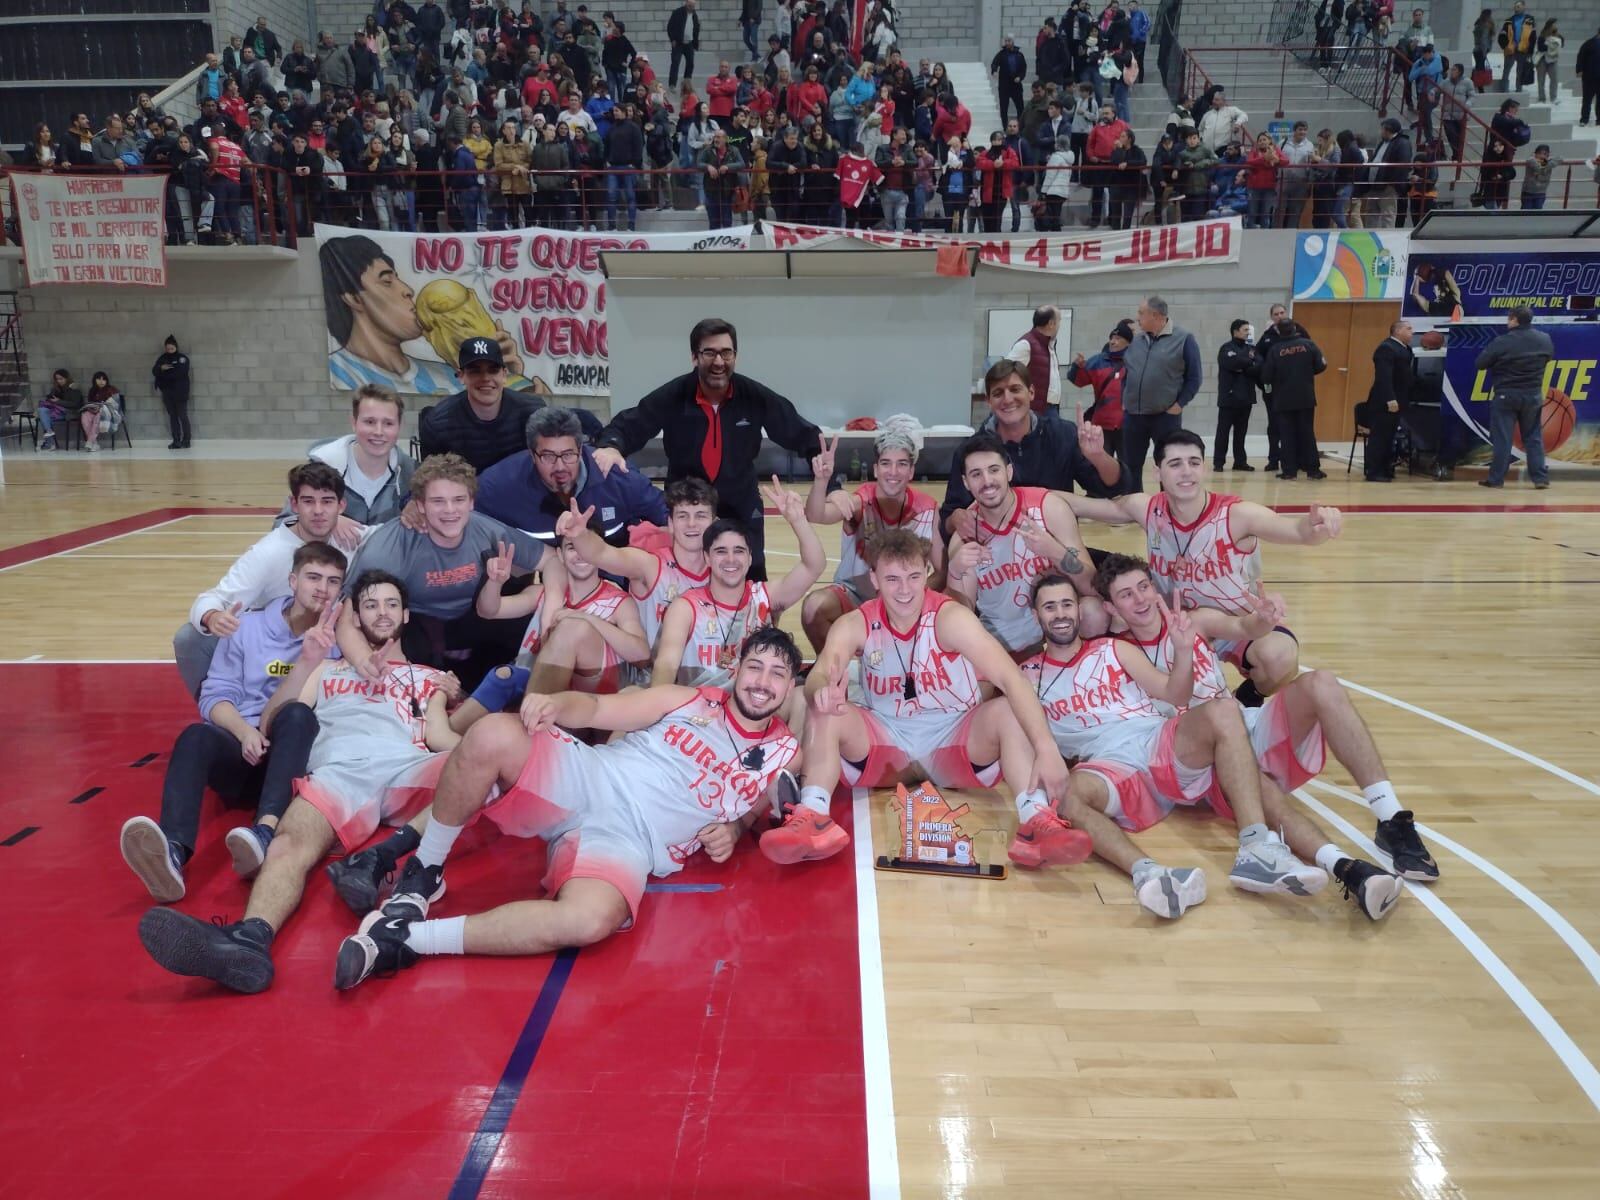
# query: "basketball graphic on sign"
[[1557, 418]]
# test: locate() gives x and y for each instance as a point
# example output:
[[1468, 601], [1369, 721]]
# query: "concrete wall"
[[289, 19]]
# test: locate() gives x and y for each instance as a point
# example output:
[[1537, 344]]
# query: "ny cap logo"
[[480, 347]]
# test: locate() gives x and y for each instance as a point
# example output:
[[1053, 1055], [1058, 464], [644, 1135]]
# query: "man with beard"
[[922, 657], [374, 761], [689, 775]]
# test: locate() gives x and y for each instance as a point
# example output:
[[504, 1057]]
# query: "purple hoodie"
[[249, 666]]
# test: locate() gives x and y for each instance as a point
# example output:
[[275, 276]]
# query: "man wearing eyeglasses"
[[711, 424], [530, 491]]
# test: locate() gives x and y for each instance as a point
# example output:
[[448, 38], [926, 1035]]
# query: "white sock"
[[815, 799], [437, 839], [1144, 868], [1031, 803], [446, 935], [1328, 857], [1382, 799], [1248, 834]]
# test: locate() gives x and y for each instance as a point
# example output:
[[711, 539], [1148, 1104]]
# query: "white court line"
[[34, 658], [1577, 1064], [162, 557], [1558, 924], [1532, 760], [102, 541], [883, 1156]]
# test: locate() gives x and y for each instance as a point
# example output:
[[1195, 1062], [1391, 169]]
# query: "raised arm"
[[492, 604], [1320, 523], [791, 589], [846, 636], [1175, 687], [626, 562], [822, 506], [671, 641], [301, 682]]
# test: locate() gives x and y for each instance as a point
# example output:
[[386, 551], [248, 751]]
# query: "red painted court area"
[[713, 1051]]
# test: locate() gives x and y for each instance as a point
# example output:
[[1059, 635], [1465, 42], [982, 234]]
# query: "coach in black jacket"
[[1393, 374], [711, 422], [1291, 367], [1238, 364]]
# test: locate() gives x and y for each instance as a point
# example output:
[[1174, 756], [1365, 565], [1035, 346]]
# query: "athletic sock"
[[1031, 804], [436, 841], [402, 841], [445, 935], [1328, 857], [1250, 834], [814, 798], [1383, 800], [1143, 869]]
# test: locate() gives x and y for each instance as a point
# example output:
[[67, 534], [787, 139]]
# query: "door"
[[1347, 332]]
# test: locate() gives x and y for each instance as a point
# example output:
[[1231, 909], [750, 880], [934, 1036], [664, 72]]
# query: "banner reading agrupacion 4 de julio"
[[399, 305]]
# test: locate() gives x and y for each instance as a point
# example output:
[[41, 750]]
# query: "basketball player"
[[703, 628], [1131, 588], [922, 656], [888, 502], [373, 761], [1293, 730], [1205, 552], [1020, 534], [582, 641], [689, 775]]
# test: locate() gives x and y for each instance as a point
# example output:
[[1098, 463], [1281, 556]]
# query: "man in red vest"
[[1036, 350]]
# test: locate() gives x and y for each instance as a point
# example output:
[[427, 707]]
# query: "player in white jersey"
[[1292, 732], [583, 640], [656, 577], [922, 656], [701, 634], [1020, 534], [888, 502], [1281, 744], [1205, 551], [689, 775], [375, 760]]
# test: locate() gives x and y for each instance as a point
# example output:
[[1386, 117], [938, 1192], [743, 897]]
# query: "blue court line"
[[486, 1140], [683, 887]]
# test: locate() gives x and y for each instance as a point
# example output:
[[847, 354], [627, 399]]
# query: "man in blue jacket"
[[530, 492]]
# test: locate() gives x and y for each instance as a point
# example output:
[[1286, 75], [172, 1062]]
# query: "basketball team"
[[387, 657]]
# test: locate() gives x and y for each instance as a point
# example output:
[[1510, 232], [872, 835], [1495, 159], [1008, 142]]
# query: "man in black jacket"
[[1291, 367], [1587, 69], [263, 41], [711, 423], [485, 421], [1237, 368], [1391, 173], [1264, 343], [683, 31], [624, 148], [1010, 67], [1393, 374]]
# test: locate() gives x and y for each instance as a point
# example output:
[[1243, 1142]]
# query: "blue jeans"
[[629, 186], [1532, 200], [1119, 100], [1507, 413], [752, 38], [915, 203], [1259, 213], [1341, 205], [844, 132], [895, 203]]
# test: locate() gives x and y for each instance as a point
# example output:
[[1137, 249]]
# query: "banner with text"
[[399, 305], [1570, 416], [1195, 243], [92, 228], [1484, 285]]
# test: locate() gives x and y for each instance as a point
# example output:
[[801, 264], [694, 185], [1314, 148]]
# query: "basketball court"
[[827, 1030]]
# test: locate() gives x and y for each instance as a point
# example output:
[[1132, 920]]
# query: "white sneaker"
[[1170, 892], [93, 447], [1267, 865]]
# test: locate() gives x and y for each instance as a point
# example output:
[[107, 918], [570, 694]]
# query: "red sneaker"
[[804, 835], [1045, 840]]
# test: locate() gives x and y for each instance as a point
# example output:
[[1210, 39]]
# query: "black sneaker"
[[1373, 889], [359, 878], [1316, 474], [236, 956], [419, 887], [378, 947], [1397, 837]]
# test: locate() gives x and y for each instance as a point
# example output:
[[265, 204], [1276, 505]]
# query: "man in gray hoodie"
[[1515, 363], [226, 750], [1164, 374]]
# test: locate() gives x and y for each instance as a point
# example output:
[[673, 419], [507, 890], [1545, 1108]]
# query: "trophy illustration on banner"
[[30, 200], [932, 840]]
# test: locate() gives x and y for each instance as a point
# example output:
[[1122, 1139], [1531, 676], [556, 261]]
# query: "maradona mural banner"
[[1570, 418], [1468, 285], [399, 305]]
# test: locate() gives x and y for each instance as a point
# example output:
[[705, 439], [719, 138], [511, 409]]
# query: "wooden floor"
[[1046, 1038]]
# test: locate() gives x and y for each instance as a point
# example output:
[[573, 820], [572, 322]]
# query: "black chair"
[[21, 418]]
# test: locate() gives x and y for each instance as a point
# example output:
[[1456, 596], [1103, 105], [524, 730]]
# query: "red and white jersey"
[[603, 602], [672, 581], [718, 632], [945, 681], [1199, 565], [919, 513], [695, 766], [1007, 571], [1209, 681], [1091, 702], [364, 722]]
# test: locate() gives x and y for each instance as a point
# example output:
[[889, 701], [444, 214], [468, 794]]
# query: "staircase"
[[974, 87], [13, 360]]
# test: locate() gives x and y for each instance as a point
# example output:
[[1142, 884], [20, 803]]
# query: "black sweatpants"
[[1299, 449], [1139, 432], [1234, 421]]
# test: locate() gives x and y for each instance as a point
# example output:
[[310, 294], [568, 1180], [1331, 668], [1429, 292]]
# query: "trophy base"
[[964, 871]]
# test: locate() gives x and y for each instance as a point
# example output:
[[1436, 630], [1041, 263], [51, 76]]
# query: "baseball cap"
[[1123, 330], [479, 350]]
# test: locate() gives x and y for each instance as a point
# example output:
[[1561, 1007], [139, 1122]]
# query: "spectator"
[[1455, 104], [1515, 363], [1393, 377], [1389, 174], [1023, 149], [299, 69], [1195, 162], [683, 32], [62, 403], [208, 84], [1098, 147], [226, 173], [550, 179], [1548, 53], [1164, 374], [1483, 40], [77, 147], [997, 169], [262, 42], [617, 53], [1508, 131], [1238, 367], [723, 169], [1054, 131], [1010, 67], [1423, 185], [821, 187], [897, 162], [785, 162], [115, 149], [1036, 352], [1587, 70], [1518, 38], [1290, 367], [957, 182], [750, 27], [40, 152], [625, 156], [952, 120], [1222, 123], [1105, 373], [336, 68], [530, 491], [1536, 177], [1299, 161], [1128, 181], [1261, 178], [1139, 33], [720, 90]]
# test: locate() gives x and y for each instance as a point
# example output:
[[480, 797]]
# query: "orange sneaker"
[[804, 835], [1045, 840]]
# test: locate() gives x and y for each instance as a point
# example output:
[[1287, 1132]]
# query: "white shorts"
[[934, 744], [1147, 780], [356, 796]]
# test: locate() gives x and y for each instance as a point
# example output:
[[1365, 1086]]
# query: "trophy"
[[932, 841]]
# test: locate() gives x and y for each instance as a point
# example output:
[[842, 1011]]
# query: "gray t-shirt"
[[441, 582]]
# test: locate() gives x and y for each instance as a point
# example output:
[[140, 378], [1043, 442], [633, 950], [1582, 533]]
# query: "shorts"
[[343, 792], [934, 743], [586, 840], [1237, 652], [1147, 781], [1291, 764], [849, 599]]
